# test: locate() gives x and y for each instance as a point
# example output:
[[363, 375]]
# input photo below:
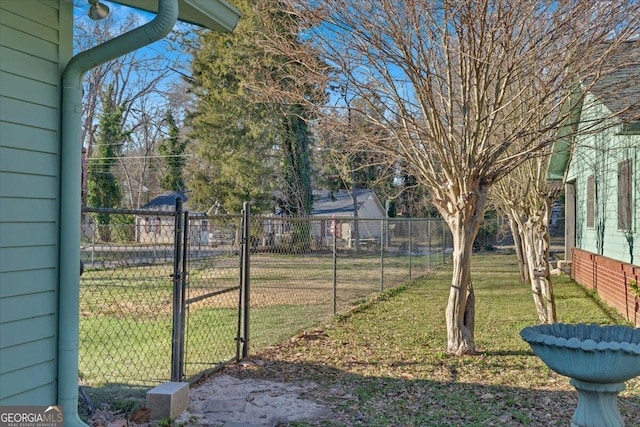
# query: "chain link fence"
[[238, 292], [304, 271], [126, 297]]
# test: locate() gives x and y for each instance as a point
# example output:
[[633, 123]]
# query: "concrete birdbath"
[[598, 359]]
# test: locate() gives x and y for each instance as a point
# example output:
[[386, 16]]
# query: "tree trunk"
[[517, 242], [536, 246], [460, 311]]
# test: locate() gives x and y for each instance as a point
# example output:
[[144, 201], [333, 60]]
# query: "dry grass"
[[385, 365]]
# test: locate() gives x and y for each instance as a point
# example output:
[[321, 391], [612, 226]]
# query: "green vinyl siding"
[[24, 258], [28, 354], [35, 43], [42, 49], [19, 386], [40, 164], [44, 15], [42, 186], [35, 329], [20, 234], [27, 210], [19, 87], [27, 306], [29, 114], [28, 138], [36, 69], [599, 155]]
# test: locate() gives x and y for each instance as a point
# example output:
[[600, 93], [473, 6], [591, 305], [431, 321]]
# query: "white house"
[[157, 227], [339, 210]]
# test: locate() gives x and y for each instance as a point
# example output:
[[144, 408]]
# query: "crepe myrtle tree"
[[452, 78], [527, 193], [526, 196]]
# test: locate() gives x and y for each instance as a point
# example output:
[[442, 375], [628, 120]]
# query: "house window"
[[624, 195], [591, 201]]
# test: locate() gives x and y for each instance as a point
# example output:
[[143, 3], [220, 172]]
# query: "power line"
[[157, 156]]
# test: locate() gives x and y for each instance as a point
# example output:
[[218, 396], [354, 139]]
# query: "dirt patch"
[[226, 400], [232, 398]]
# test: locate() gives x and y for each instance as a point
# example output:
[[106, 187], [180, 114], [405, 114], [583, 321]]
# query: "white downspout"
[[70, 181]]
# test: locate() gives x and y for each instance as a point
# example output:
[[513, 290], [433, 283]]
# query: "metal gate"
[[210, 288]]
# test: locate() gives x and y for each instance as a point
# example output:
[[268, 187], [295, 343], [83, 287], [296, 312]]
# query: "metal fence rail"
[[171, 295]]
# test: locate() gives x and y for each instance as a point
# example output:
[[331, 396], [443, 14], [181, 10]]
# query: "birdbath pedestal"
[[598, 359]]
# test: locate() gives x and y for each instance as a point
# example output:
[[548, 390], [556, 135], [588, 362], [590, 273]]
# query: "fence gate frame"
[[181, 303]]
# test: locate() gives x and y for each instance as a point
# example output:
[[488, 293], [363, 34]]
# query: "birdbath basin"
[[598, 359]]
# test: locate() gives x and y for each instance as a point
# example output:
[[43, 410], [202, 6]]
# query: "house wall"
[[371, 208], [161, 230], [599, 155], [155, 230], [610, 278], [35, 43], [370, 213]]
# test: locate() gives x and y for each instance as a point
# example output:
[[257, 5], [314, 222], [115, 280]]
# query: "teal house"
[[600, 166], [40, 176]]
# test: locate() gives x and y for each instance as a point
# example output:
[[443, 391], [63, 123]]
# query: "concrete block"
[[168, 400], [565, 266]]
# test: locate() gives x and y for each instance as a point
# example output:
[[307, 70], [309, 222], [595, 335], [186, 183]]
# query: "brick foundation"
[[610, 279]]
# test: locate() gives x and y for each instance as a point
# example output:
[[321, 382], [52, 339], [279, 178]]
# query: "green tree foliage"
[[102, 186], [172, 151], [251, 144], [296, 167]]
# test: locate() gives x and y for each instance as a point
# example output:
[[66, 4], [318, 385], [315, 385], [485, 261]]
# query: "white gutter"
[[70, 181]]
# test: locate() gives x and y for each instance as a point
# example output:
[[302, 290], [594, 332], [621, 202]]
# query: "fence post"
[[246, 246], [176, 354], [430, 250], [444, 244], [410, 235], [183, 290], [382, 240], [335, 273]]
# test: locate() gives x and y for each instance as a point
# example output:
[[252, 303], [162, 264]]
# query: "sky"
[[119, 14]]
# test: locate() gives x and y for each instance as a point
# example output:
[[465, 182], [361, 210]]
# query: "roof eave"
[[218, 15]]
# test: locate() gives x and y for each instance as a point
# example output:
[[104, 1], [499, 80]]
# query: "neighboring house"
[[339, 206], [40, 185], [160, 229], [601, 172]]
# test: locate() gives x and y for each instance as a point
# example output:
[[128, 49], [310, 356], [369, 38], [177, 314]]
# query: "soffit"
[[218, 15]]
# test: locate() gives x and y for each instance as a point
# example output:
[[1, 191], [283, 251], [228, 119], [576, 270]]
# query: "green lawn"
[[126, 327], [389, 357], [387, 354]]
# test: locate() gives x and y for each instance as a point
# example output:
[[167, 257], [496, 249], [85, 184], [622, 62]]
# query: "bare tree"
[[141, 85], [526, 194], [526, 197], [139, 163], [457, 80]]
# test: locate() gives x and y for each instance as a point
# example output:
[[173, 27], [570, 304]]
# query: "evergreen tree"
[[251, 143], [102, 186], [172, 151]]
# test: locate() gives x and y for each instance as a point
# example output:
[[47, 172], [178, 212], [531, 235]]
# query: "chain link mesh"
[[126, 298], [212, 293], [302, 271]]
